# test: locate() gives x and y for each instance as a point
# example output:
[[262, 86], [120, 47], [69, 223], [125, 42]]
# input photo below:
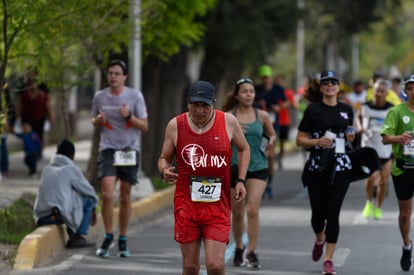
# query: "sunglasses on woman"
[[244, 80], [327, 81]]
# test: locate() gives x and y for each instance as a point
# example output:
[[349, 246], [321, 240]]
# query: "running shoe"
[[106, 246], [78, 241], [406, 260], [123, 251], [368, 210], [317, 250], [238, 259], [328, 267], [252, 260], [377, 213]]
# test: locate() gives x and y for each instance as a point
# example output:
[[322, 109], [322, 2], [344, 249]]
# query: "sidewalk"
[[13, 185], [46, 242]]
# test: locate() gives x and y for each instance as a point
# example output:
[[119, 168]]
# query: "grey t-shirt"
[[118, 133]]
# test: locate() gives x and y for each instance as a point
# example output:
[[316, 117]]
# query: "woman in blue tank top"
[[260, 135]]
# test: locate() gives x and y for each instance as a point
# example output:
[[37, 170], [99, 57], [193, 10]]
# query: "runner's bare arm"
[[237, 137], [167, 153], [268, 128]]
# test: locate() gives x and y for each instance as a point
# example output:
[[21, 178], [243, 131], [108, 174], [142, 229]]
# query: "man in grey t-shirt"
[[121, 115]]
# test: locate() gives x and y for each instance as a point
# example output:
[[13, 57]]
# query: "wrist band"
[[241, 180], [129, 116]]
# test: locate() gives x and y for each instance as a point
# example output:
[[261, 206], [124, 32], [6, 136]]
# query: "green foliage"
[[241, 35], [350, 17], [67, 40], [159, 184], [334, 23], [16, 221], [389, 42], [169, 25], [64, 38]]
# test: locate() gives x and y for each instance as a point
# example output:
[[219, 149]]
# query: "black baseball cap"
[[201, 91], [329, 75]]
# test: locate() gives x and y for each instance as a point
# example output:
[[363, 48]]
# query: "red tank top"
[[207, 154]]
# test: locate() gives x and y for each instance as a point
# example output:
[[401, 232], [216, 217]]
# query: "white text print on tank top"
[[194, 156]]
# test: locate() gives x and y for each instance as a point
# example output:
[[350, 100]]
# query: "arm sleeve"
[[305, 124], [141, 107], [389, 126]]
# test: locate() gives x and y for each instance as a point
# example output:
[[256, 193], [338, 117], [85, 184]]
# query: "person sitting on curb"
[[66, 197]]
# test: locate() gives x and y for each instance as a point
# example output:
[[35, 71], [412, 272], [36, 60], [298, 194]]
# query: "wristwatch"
[[241, 180], [129, 116]]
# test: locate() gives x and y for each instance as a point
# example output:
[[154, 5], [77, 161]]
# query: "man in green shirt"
[[398, 130]]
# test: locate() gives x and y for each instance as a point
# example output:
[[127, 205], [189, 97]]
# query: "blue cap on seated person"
[[201, 91]]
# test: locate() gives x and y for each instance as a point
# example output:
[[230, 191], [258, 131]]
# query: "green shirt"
[[253, 134], [398, 120]]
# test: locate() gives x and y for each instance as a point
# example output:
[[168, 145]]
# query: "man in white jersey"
[[373, 114], [121, 115]]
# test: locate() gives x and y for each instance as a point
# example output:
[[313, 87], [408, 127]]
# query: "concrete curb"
[[46, 242]]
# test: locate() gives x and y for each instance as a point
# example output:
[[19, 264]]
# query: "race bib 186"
[[125, 158]]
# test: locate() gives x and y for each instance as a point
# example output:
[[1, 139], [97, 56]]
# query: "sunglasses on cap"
[[120, 63], [327, 81], [244, 80]]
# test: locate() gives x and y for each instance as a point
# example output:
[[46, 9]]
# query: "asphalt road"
[[365, 246]]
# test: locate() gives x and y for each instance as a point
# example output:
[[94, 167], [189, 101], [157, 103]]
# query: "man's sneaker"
[[252, 260], [406, 260], [317, 250], [368, 210], [78, 241], [106, 245], [238, 259], [377, 213], [123, 251], [328, 267]]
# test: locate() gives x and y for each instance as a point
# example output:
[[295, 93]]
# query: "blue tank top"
[[254, 133]]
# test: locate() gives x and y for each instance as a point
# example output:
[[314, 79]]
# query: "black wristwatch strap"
[[129, 116], [241, 180]]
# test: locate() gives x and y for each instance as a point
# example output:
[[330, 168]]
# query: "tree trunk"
[[60, 118], [92, 171], [164, 88]]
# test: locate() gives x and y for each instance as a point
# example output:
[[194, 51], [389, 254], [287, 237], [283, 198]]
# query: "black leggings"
[[326, 202]]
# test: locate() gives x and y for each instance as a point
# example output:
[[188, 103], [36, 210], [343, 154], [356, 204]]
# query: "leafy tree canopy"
[[241, 33]]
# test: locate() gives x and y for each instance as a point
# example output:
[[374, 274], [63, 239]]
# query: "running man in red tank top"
[[200, 141]]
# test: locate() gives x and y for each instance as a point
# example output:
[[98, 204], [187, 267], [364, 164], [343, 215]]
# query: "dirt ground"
[[7, 254]]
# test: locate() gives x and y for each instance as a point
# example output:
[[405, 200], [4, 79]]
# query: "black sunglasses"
[[244, 80], [327, 81]]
